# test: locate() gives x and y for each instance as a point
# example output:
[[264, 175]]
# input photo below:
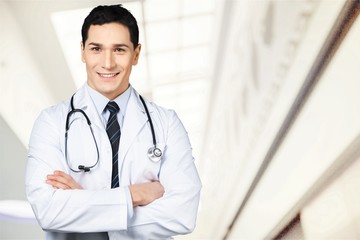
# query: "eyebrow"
[[114, 45]]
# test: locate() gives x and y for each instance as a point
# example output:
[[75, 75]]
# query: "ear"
[[137, 54], [82, 47]]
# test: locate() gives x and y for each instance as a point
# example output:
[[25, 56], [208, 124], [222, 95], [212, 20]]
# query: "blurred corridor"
[[268, 91]]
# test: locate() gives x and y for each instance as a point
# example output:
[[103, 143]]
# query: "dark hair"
[[109, 14]]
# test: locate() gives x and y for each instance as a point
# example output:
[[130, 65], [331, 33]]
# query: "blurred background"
[[268, 91]]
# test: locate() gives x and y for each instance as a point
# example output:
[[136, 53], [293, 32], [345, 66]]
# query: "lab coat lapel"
[[134, 121], [84, 102]]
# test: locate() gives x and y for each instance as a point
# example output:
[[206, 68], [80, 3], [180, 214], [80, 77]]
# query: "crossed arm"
[[141, 194], [70, 208]]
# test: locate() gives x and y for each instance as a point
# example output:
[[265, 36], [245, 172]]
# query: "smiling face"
[[109, 56]]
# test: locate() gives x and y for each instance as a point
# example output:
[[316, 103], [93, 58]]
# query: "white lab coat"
[[98, 208]]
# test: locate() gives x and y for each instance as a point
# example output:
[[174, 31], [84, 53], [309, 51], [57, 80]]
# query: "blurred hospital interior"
[[268, 91]]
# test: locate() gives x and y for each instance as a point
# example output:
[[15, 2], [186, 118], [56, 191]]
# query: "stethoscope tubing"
[[150, 121], [154, 153], [67, 127]]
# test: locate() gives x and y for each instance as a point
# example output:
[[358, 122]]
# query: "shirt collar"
[[100, 101]]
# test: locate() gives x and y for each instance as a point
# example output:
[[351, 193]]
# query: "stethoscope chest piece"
[[154, 154]]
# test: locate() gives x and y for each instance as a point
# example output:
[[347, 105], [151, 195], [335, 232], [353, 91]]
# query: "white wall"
[[21, 98], [334, 211], [265, 54]]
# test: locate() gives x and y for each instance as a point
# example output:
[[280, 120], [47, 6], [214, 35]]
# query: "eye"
[[119, 50], [95, 49]]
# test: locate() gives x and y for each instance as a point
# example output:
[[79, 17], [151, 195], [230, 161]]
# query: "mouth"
[[107, 75]]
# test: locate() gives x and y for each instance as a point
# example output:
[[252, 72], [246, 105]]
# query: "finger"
[[63, 175], [64, 179], [60, 181], [57, 185], [67, 179], [58, 178]]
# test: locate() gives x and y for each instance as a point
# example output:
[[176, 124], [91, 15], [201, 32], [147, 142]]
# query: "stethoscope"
[[154, 153]]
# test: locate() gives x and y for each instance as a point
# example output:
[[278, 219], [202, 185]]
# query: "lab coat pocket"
[[145, 168]]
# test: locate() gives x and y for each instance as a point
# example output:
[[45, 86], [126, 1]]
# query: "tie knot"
[[112, 107]]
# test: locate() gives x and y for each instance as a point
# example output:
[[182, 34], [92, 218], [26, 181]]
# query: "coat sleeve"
[[67, 210], [175, 213]]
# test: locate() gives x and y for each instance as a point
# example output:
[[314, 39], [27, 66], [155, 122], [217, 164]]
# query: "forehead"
[[109, 32]]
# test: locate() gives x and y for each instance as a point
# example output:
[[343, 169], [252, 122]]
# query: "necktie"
[[114, 133]]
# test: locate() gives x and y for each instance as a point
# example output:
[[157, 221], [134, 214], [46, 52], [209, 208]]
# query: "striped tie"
[[114, 133]]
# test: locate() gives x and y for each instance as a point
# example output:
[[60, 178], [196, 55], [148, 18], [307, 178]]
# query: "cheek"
[[130, 64], [90, 60], [90, 64], [123, 61]]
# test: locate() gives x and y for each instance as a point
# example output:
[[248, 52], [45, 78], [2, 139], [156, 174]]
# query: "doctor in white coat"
[[156, 198]]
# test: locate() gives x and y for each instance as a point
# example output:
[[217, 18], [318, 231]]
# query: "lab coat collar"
[[136, 97], [82, 100], [134, 121]]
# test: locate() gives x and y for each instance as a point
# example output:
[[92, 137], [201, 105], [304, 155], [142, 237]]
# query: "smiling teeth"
[[108, 75]]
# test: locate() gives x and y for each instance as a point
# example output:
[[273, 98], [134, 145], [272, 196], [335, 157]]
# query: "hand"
[[145, 193], [61, 180]]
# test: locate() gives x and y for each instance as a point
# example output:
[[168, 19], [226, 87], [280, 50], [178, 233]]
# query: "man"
[[90, 174]]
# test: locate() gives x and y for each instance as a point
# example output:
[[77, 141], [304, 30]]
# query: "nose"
[[108, 60]]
